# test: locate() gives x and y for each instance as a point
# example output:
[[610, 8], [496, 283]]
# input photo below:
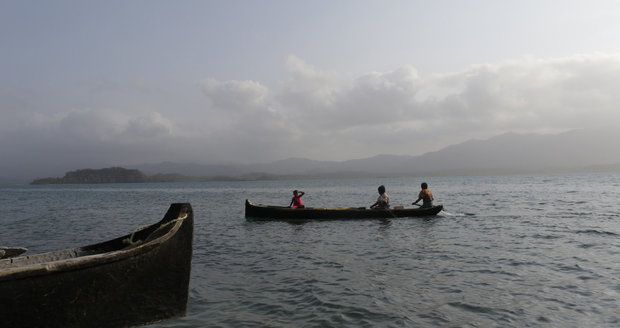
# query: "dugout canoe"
[[6, 252], [138, 278], [268, 212]]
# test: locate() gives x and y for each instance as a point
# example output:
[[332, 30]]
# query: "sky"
[[102, 83]]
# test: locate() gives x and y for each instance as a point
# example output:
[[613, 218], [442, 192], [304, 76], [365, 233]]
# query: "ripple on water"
[[472, 314], [596, 232], [499, 257], [545, 236], [586, 246]]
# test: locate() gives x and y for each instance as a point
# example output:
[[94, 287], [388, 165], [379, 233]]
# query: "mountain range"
[[576, 150]]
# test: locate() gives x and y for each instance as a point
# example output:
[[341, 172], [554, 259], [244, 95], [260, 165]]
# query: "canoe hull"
[[126, 287], [264, 212], [6, 252]]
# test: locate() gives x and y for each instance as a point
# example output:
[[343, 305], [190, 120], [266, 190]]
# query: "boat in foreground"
[[266, 212], [135, 279], [6, 252]]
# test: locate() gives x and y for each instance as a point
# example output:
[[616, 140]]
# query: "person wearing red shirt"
[[296, 201]]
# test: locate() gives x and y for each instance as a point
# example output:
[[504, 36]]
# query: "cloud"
[[239, 96], [527, 95], [39, 142], [243, 122], [324, 115], [530, 95], [379, 98], [90, 126], [151, 126], [403, 112]]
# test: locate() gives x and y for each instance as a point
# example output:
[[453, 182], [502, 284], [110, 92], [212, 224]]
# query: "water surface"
[[508, 251]]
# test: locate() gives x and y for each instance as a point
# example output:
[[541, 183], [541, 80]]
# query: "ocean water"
[[508, 251]]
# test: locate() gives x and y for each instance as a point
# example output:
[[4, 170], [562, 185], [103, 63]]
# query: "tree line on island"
[[107, 175], [123, 175]]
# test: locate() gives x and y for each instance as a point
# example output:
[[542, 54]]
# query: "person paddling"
[[383, 201], [425, 195], [296, 201]]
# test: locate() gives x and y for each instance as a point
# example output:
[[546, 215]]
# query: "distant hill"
[[289, 166], [190, 169], [123, 175], [577, 150], [593, 150], [107, 175]]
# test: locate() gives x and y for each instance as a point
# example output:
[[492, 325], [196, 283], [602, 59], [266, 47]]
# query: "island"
[[123, 175], [106, 175]]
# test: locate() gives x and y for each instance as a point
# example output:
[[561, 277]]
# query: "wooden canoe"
[[6, 252], [135, 279], [266, 212]]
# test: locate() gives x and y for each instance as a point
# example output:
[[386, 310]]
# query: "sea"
[[507, 251]]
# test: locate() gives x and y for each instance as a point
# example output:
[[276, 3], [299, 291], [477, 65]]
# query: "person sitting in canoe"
[[425, 195], [383, 201], [296, 201]]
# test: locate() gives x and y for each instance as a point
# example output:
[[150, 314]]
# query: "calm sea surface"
[[509, 251]]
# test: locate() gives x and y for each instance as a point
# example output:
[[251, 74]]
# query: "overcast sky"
[[99, 83]]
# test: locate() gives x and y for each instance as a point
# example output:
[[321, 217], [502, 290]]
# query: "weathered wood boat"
[[6, 252], [267, 212], [135, 279]]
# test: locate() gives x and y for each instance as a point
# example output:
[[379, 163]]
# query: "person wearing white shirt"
[[383, 201]]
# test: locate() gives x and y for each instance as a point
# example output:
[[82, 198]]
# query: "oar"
[[416, 204]]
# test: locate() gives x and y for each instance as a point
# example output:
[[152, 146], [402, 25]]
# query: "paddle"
[[416, 204]]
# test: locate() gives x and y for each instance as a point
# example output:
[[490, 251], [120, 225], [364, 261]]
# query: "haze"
[[102, 83]]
